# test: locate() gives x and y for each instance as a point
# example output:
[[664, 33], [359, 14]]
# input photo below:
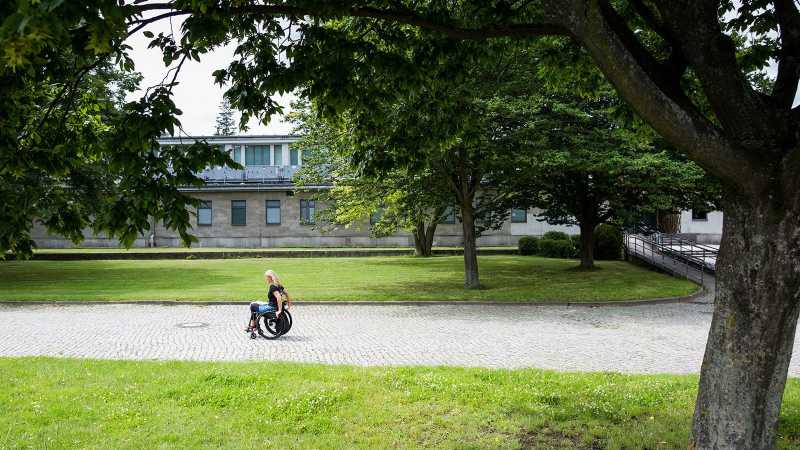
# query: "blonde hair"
[[274, 276]]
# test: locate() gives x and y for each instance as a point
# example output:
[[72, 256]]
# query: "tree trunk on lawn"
[[419, 239], [753, 328], [587, 244], [471, 280], [423, 238], [429, 236]]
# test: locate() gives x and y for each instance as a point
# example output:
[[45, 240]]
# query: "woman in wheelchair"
[[276, 297]]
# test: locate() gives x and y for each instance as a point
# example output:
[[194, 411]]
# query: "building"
[[259, 207]]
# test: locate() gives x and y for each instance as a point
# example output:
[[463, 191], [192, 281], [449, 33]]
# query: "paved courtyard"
[[636, 339]]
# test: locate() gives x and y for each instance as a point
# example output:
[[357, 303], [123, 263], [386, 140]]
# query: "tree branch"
[[710, 53], [683, 126], [785, 88], [676, 64], [404, 16], [665, 77], [145, 22], [744, 114]]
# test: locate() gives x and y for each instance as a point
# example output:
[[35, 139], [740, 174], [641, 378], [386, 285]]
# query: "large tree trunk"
[[471, 280], [429, 236], [423, 238], [419, 239], [587, 244], [753, 328]]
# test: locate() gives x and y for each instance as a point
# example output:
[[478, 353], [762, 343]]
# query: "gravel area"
[[666, 338]]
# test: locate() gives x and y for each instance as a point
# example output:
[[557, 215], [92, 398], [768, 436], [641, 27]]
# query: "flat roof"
[[236, 139]]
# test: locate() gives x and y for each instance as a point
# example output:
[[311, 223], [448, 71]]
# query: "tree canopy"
[[694, 71]]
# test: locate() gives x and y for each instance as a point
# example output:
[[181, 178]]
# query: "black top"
[[271, 295]]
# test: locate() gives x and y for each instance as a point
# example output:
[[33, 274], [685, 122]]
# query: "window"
[[239, 212], [204, 213], [273, 212], [519, 215], [376, 216], [448, 216], [256, 155], [307, 209], [294, 157], [237, 154], [701, 216], [277, 160]]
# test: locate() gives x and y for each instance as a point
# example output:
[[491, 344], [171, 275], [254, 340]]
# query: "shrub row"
[[557, 244]]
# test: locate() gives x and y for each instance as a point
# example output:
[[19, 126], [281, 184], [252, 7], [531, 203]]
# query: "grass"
[[504, 278], [66, 403], [237, 250]]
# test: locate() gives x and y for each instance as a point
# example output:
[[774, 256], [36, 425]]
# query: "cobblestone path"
[[638, 339]]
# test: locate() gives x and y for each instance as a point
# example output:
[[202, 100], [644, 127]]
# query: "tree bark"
[[471, 279], [429, 233], [419, 239], [587, 244], [668, 222], [423, 238], [753, 328]]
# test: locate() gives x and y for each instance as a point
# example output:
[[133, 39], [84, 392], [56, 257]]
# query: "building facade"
[[260, 207]]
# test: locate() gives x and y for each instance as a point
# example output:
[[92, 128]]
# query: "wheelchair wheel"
[[287, 321], [269, 327]]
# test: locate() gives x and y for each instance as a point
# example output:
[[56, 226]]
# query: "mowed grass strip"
[[504, 278], [67, 403], [189, 250]]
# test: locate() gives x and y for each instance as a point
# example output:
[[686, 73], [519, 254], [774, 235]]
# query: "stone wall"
[[289, 233]]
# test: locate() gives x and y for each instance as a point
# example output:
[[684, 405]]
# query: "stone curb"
[[252, 254], [622, 303]]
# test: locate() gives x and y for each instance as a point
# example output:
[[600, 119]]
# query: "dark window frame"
[[308, 209], [260, 155], [448, 216], [699, 216], [266, 211], [376, 216], [233, 216], [525, 215], [276, 148], [206, 204]]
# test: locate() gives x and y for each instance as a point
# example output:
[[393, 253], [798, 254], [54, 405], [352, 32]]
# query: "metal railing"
[[677, 255], [250, 174]]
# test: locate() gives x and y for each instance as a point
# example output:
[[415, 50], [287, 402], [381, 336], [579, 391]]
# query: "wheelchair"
[[270, 327]]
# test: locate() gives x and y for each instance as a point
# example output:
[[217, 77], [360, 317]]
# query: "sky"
[[197, 95]]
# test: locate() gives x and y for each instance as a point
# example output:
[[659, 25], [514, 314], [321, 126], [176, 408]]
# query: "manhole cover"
[[192, 325]]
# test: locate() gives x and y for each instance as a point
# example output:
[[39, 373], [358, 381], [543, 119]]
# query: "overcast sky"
[[197, 95]]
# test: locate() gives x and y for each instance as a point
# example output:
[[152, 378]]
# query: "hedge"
[[556, 236], [528, 245], [556, 248], [607, 242]]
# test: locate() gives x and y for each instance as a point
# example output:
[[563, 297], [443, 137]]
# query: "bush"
[[528, 245], [556, 248], [607, 242], [556, 236], [576, 242]]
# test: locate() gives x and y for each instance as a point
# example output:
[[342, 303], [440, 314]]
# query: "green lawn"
[[236, 250], [66, 403], [505, 278]]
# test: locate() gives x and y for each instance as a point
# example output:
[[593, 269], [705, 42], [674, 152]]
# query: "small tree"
[[412, 200], [226, 125], [581, 167]]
